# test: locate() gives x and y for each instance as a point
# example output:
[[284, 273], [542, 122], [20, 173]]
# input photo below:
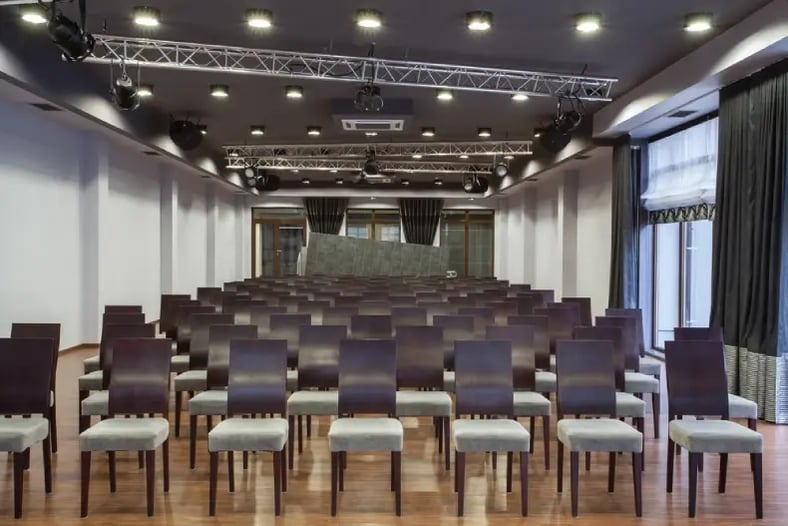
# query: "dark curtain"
[[624, 236], [420, 219], [325, 214], [749, 271]]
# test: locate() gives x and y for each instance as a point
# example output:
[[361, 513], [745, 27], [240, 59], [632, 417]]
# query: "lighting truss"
[[393, 149], [350, 165], [204, 57]]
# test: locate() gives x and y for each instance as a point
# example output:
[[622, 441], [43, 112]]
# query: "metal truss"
[[204, 57], [393, 149], [350, 165]]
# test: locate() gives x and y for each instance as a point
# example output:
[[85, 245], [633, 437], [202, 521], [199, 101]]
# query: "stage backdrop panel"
[[339, 255]]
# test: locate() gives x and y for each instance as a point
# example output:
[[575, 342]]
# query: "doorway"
[[276, 245]]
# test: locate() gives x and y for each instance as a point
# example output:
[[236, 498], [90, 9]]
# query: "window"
[[381, 225], [469, 235], [278, 235]]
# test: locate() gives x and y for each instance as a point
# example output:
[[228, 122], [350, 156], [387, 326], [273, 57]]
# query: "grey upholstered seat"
[[18, 434], [292, 380], [640, 383], [179, 363], [490, 435], [365, 434], [602, 434], [714, 436], [740, 407], [92, 381], [248, 434], [630, 406], [97, 404], [423, 403], [317, 403], [191, 381], [650, 366], [545, 382], [91, 364], [529, 403], [125, 434], [213, 402]]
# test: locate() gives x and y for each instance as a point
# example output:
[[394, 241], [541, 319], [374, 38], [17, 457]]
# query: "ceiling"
[[638, 39]]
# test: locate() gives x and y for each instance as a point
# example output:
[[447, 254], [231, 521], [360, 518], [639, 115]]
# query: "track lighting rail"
[[352, 165]]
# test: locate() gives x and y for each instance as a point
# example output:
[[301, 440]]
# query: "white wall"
[[86, 222]]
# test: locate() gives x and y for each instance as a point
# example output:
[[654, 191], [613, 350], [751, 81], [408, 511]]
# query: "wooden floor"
[[428, 497]]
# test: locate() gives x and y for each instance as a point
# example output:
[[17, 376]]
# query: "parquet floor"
[[428, 497]]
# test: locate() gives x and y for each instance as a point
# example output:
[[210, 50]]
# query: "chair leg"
[[637, 475], [546, 438], [460, 468], [456, 478], [446, 441], [671, 454], [85, 481], [212, 483], [53, 426], [509, 458], [574, 475], [752, 423], [560, 477], [439, 433], [84, 422], [524, 483], [245, 456], [165, 458], [334, 477], [494, 456], [300, 434], [192, 441], [178, 405], [309, 426], [47, 454], [611, 472], [655, 410], [723, 472], [284, 469], [588, 461], [150, 473], [19, 478], [112, 479], [693, 481], [231, 471], [757, 479], [532, 430], [290, 441], [277, 482], [140, 459], [396, 468], [342, 467]]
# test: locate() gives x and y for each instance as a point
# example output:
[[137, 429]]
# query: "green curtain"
[[749, 273], [624, 236]]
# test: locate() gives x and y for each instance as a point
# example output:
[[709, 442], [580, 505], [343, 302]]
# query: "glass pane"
[[387, 233], [480, 248], [278, 213], [267, 254], [359, 231], [290, 243], [697, 273], [666, 283], [453, 236]]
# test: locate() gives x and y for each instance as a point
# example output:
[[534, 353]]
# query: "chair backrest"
[[373, 307], [40, 330], [183, 328], [219, 337], [527, 302], [521, 338], [348, 300], [367, 377], [484, 383], [413, 316], [286, 327], [167, 311], [291, 302], [261, 316], [24, 384], [257, 377], [712, 334], [503, 308], [560, 322], [616, 337], [541, 337], [110, 334], [420, 357], [437, 308], [339, 315], [482, 317], [122, 309], [584, 306], [318, 355], [628, 326], [242, 310], [548, 296], [140, 376], [637, 314], [402, 300], [586, 378], [315, 308], [370, 326], [697, 381], [210, 296], [200, 336], [122, 318]]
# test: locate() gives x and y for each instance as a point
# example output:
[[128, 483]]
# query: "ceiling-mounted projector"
[[368, 99], [185, 134]]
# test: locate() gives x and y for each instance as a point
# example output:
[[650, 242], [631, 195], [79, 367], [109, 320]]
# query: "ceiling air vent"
[[393, 117], [681, 114], [43, 106], [377, 125]]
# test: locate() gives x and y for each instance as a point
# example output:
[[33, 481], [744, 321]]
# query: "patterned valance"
[[684, 213]]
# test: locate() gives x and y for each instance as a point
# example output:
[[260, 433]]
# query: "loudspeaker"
[[185, 134], [553, 140]]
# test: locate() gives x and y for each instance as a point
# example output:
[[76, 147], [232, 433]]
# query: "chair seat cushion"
[[18, 434], [93, 381], [529, 403], [640, 383], [179, 363], [192, 381], [448, 381], [292, 380], [715, 436], [91, 364], [552, 362], [97, 404], [650, 366], [490, 435], [125, 434], [248, 434], [740, 407], [317, 403], [545, 382], [365, 434], [213, 402], [599, 434], [630, 406], [423, 403]]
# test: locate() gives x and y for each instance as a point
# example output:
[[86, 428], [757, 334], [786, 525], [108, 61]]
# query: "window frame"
[[467, 218], [377, 216]]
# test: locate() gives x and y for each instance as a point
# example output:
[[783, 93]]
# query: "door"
[[276, 245]]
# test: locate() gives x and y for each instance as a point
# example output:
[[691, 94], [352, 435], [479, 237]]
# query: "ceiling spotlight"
[[479, 21], [417, 156], [340, 181], [34, 14], [501, 170], [474, 184], [220, 91], [368, 99], [698, 22], [444, 94], [306, 180], [185, 134], [124, 93], [146, 16], [508, 156], [74, 42], [259, 18], [519, 97], [145, 91], [257, 130], [333, 171], [428, 132], [538, 132], [405, 182], [295, 170], [313, 131], [371, 134], [370, 165], [588, 22], [203, 129], [294, 92], [463, 156], [233, 154], [485, 132], [369, 18], [438, 182], [266, 182]]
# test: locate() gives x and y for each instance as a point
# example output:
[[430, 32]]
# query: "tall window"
[[470, 236], [381, 225]]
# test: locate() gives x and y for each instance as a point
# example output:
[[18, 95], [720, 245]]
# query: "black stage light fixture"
[[185, 134], [368, 99], [267, 182], [249, 176], [501, 170], [557, 135], [371, 165], [125, 92], [475, 184], [553, 140], [73, 40]]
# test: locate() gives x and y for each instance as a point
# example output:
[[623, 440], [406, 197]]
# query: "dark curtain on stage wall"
[[624, 241], [420, 219], [749, 271], [325, 214]]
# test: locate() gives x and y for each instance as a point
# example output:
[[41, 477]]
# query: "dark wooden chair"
[[25, 389], [485, 386], [370, 326], [483, 317], [367, 385], [210, 296], [287, 327], [698, 386], [315, 308], [50, 331], [261, 316], [561, 321], [139, 385], [122, 318], [455, 327], [167, 310], [122, 309], [255, 385], [648, 364], [183, 329], [527, 302], [584, 306], [339, 315], [544, 377], [712, 334], [411, 316], [503, 309]]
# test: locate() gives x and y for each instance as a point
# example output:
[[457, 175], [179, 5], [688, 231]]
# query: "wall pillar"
[[567, 228]]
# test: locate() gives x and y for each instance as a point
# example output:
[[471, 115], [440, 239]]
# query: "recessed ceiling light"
[[334, 171], [479, 21], [484, 132], [145, 90], [294, 92], [305, 180], [371, 134], [698, 22], [314, 131], [508, 156], [463, 156], [372, 198], [146, 16], [369, 18], [34, 14], [405, 182], [259, 18], [417, 156], [444, 94], [340, 180], [220, 91], [428, 132], [471, 199], [438, 182], [588, 22], [519, 97], [295, 170], [203, 128], [257, 130], [233, 154]]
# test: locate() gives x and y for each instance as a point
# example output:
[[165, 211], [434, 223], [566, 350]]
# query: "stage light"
[[266, 182], [333, 171], [124, 93], [146, 16], [463, 156], [294, 92], [306, 180], [34, 14], [249, 175], [588, 22], [538, 132], [340, 181], [501, 170], [405, 182], [203, 129], [185, 134], [417, 156], [369, 19], [508, 157], [474, 184], [484, 132], [438, 182], [371, 134], [519, 97], [368, 99], [145, 91], [370, 165], [220, 91], [428, 132], [444, 94], [313, 131], [257, 130], [259, 18], [698, 22], [233, 154], [479, 21], [74, 42]]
